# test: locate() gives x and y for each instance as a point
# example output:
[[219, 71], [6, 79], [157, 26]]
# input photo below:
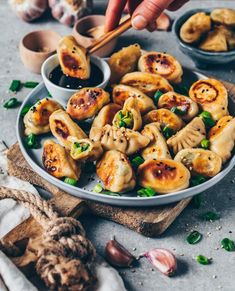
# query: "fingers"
[[147, 12], [176, 5], [114, 13]]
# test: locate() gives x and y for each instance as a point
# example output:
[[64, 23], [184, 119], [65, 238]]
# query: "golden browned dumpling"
[[123, 62], [87, 102], [58, 162], [85, 149], [115, 171], [74, 59], [122, 139], [122, 92], [163, 175], [212, 96], [200, 161], [106, 115], [188, 137], [146, 82], [62, 126], [215, 41], [36, 120], [157, 148], [162, 64], [224, 16], [186, 107], [165, 118], [129, 116], [229, 35], [196, 26], [222, 137]]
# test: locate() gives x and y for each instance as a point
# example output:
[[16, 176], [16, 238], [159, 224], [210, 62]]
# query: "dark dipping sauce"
[[58, 78]]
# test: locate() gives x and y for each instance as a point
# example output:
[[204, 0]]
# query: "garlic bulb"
[[28, 10], [68, 12]]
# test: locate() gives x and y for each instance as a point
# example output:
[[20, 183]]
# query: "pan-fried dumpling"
[[106, 115], [157, 148], [74, 59], [200, 161], [163, 175], [115, 171], [122, 139], [212, 96], [62, 126], [58, 162], [188, 137], [229, 35], [146, 82], [224, 16], [215, 41], [180, 103], [195, 27], [165, 118], [129, 116], [222, 137], [162, 64], [123, 92], [36, 120], [85, 149], [87, 102], [123, 62]]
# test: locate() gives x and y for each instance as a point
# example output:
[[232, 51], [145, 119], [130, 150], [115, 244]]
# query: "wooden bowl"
[[36, 46]]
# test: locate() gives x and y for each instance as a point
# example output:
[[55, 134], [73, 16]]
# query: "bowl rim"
[[176, 27], [94, 59], [34, 32]]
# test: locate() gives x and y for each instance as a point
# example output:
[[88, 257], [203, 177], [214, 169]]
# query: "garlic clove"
[[117, 255], [163, 260]]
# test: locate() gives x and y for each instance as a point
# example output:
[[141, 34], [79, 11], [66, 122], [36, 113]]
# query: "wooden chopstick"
[[107, 37]]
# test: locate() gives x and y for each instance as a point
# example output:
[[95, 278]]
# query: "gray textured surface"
[[190, 275]]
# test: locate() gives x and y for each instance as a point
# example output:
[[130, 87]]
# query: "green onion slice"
[[30, 84], [228, 244], [15, 86], [207, 119], [137, 161], [197, 180], [98, 188], [194, 237], [205, 143], [25, 110], [11, 103], [203, 260], [157, 96], [146, 192], [70, 181], [210, 216], [31, 141], [167, 132]]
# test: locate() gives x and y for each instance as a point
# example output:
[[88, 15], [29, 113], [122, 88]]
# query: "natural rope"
[[64, 260]]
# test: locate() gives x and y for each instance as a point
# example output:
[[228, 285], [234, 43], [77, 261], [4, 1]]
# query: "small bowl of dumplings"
[[207, 35], [144, 140]]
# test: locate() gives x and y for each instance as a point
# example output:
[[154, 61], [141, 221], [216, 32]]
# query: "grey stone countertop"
[[190, 276]]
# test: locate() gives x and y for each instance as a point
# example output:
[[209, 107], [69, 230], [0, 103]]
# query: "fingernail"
[[139, 22]]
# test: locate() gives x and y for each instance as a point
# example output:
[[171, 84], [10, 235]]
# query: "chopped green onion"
[[15, 86], [205, 143], [228, 245], [11, 103], [178, 111], [49, 94], [137, 161], [146, 192], [157, 96], [30, 84], [124, 120], [207, 119], [210, 216], [197, 180], [70, 181], [121, 123], [194, 237], [197, 201], [25, 110], [98, 188], [203, 260], [31, 141], [167, 132], [85, 147], [107, 192]]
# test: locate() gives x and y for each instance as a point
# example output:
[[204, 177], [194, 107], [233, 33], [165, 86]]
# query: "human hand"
[[144, 12]]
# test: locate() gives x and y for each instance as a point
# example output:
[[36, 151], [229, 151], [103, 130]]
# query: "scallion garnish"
[[15, 86], [146, 192], [157, 96], [228, 244], [178, 111], [167, 132], [31, 141], [70, 181], [11, 103], [210, 216], [30, 84], [25, 110], [197, 180], [205, 143], [207, 119], [98, 188], [197, 201], [194, 237], [203, 260], [137, 161]]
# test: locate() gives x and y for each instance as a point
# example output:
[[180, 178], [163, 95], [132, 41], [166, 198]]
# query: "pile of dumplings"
[[166, 132], [214, 32]]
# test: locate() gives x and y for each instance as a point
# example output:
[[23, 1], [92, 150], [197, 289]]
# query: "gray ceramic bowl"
[[201, 58], [61, 94]]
